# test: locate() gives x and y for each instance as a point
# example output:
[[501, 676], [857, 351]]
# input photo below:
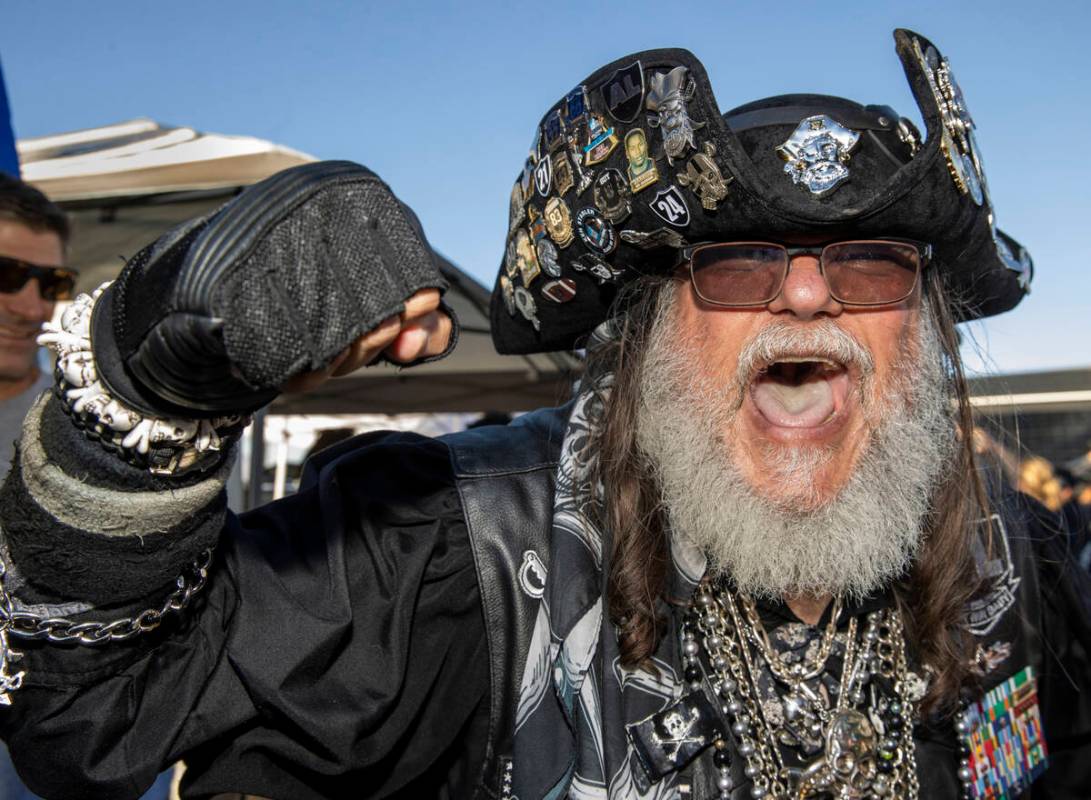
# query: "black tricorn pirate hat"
[[589, 211]]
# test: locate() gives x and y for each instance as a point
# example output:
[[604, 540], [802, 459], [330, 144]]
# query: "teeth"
[[825, 364]]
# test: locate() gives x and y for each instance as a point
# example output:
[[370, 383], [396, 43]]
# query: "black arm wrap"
[[81, 525]]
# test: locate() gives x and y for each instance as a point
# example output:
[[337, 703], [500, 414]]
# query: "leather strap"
[[872, 118]]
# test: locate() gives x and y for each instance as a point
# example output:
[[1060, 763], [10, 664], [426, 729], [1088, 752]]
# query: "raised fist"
[[301, 276]]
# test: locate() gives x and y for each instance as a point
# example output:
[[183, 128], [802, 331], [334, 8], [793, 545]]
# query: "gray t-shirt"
[[12, 412]]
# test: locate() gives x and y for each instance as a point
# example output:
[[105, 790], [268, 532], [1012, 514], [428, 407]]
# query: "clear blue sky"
[[441, 99]]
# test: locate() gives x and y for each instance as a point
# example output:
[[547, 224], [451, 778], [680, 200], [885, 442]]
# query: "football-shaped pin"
[[559, 291]]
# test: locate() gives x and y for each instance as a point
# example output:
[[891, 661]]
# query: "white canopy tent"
[[141, 157], [125, 184]]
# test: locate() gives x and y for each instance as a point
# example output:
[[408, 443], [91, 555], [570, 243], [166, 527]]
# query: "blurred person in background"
[[1057, 488], [1080, 469], [33, 236], [1077, 508], [1038, 479]]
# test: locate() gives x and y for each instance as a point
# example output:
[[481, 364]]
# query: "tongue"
[[802, 406]]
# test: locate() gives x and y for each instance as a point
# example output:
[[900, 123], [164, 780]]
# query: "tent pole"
[[280, 476], [257, 460]]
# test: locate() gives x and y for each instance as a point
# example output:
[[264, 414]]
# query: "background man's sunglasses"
[[55, 283], [873, 272]]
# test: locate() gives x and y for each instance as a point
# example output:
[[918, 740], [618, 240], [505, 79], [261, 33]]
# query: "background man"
[[33, 235]]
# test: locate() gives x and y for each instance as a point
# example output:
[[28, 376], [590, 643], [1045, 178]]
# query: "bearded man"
[[753, 557]]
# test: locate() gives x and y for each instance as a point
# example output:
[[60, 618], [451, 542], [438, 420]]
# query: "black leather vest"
[[505, 480]]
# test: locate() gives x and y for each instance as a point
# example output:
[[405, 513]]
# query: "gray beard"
[[851, 544]]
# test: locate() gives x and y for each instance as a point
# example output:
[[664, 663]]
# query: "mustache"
[[822, 339]]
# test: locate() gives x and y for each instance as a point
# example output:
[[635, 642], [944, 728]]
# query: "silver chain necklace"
[[857, 746]]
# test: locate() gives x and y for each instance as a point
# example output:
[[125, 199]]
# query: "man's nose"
[[805, 293], [28, 303]]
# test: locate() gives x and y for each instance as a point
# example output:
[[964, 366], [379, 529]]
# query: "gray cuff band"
[[96, 509]]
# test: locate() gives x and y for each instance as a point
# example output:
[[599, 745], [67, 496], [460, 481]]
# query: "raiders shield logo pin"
[[669, 206], [623, 93], [543, 176]]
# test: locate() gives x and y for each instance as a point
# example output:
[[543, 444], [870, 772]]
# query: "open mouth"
[[800, 391]]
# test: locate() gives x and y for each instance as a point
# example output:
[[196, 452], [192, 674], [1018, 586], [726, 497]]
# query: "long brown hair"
[[932, 597]]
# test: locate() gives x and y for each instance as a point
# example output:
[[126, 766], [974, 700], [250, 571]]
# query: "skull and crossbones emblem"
[[678, 727]]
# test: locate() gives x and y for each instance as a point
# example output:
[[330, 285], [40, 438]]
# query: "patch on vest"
[[1003, 731], [670, 739], [532, 575], [998, 577]]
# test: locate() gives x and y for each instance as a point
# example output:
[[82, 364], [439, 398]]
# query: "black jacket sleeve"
[[337, 651]]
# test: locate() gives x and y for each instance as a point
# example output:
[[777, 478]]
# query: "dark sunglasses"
[[872, 272], [54, 283]]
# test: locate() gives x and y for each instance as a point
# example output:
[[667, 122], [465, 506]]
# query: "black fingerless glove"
[[216, 314]]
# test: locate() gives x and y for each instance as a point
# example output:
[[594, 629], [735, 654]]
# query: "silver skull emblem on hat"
[[816, 153]]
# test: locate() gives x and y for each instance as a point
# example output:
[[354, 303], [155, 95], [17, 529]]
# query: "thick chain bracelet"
[[27, 625]]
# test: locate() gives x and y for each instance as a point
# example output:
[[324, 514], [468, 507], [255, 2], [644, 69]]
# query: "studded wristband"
[[163, 446]]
